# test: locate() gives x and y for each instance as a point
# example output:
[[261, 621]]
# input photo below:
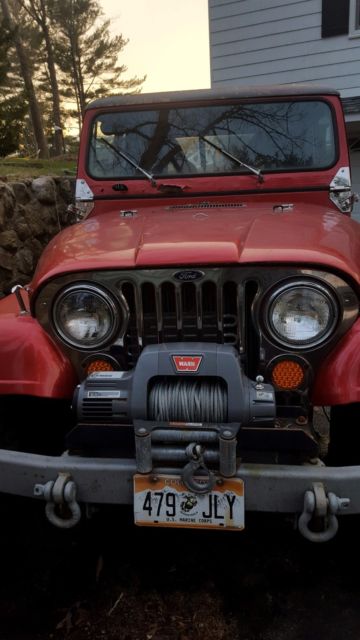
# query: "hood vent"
[[207, 205]]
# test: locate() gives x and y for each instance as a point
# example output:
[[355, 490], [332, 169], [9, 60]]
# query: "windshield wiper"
[[257, 172], [133, 163], [171, 188]]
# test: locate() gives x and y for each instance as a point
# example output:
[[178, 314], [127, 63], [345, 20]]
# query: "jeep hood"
[[161, 236]]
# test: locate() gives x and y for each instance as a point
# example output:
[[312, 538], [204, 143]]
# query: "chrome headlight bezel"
[[116, 316], [329, 297]]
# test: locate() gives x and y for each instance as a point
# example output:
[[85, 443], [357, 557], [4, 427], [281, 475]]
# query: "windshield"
[[269, 136]]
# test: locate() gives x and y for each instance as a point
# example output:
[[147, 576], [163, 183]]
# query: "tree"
[[12, 113], [5, 42], [12, 106], [64, 56], [26, 72], [38, 11], [87, 53]]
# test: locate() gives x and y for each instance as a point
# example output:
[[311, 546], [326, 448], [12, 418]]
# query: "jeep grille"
[[221, 305], [206, 311]]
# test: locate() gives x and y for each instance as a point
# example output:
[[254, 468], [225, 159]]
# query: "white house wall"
[[355, 179], [279, 41]]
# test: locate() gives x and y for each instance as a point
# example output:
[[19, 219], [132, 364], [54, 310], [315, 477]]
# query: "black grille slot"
[[231, 328], [251, 336], [165, 311], [209, 302]]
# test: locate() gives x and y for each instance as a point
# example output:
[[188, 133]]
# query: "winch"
[[186, 403], [182, 382]]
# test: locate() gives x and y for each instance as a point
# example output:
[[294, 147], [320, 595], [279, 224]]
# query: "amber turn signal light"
[[288, 374], [98, 365]]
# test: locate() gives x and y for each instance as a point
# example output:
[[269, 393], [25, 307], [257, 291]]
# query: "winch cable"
[[188, 401]]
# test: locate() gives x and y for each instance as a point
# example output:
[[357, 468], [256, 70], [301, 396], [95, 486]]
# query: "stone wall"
[[32, 211]]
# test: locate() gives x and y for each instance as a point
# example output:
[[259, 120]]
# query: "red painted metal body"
[[30, 363], [160, 236], [338, 379]]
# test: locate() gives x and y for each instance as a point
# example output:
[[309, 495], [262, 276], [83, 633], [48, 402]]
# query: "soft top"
[[220, 93]]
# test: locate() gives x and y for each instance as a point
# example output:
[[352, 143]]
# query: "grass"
[[31, 167]]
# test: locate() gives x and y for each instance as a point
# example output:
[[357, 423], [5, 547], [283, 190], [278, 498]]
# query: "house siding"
[[355, 179], [262, 42]]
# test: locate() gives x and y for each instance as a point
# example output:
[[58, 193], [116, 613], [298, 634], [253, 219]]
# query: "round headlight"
[[86, 317], [302, 315]]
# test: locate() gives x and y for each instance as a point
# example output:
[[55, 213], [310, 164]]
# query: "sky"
[[168, 41]]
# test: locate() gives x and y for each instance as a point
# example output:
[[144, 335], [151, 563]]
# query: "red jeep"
[[180, 340]]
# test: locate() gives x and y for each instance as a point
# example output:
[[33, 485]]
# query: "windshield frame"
[[213, 103]]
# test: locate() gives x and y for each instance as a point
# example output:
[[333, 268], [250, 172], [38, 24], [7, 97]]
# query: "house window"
[[354, 20], [335, 17]]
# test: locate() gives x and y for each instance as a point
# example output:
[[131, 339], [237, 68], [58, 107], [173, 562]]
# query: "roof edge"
[[219, 93]]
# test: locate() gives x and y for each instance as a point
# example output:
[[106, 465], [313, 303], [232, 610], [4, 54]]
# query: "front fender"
[[30, 362], [338, 379]]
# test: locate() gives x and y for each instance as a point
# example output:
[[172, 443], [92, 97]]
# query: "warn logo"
[[188, 364]]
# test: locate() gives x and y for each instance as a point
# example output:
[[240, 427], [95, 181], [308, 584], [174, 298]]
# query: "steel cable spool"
[[188, 400]]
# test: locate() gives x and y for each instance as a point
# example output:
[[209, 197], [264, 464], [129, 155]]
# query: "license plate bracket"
[[164, 501]]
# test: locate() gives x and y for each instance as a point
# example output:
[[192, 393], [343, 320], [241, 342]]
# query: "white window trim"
[[354, 19]]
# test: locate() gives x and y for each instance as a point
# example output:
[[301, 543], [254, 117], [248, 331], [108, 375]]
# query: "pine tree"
[[14, 28], [12, 104], [5, 42], [87, 53], [38, 10]]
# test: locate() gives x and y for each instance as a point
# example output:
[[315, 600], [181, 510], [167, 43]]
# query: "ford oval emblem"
[[189, 275]]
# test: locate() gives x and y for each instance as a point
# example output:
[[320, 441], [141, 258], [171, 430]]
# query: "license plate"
[[164, 500]]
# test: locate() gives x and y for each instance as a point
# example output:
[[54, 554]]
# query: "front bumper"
[[269, 488]]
